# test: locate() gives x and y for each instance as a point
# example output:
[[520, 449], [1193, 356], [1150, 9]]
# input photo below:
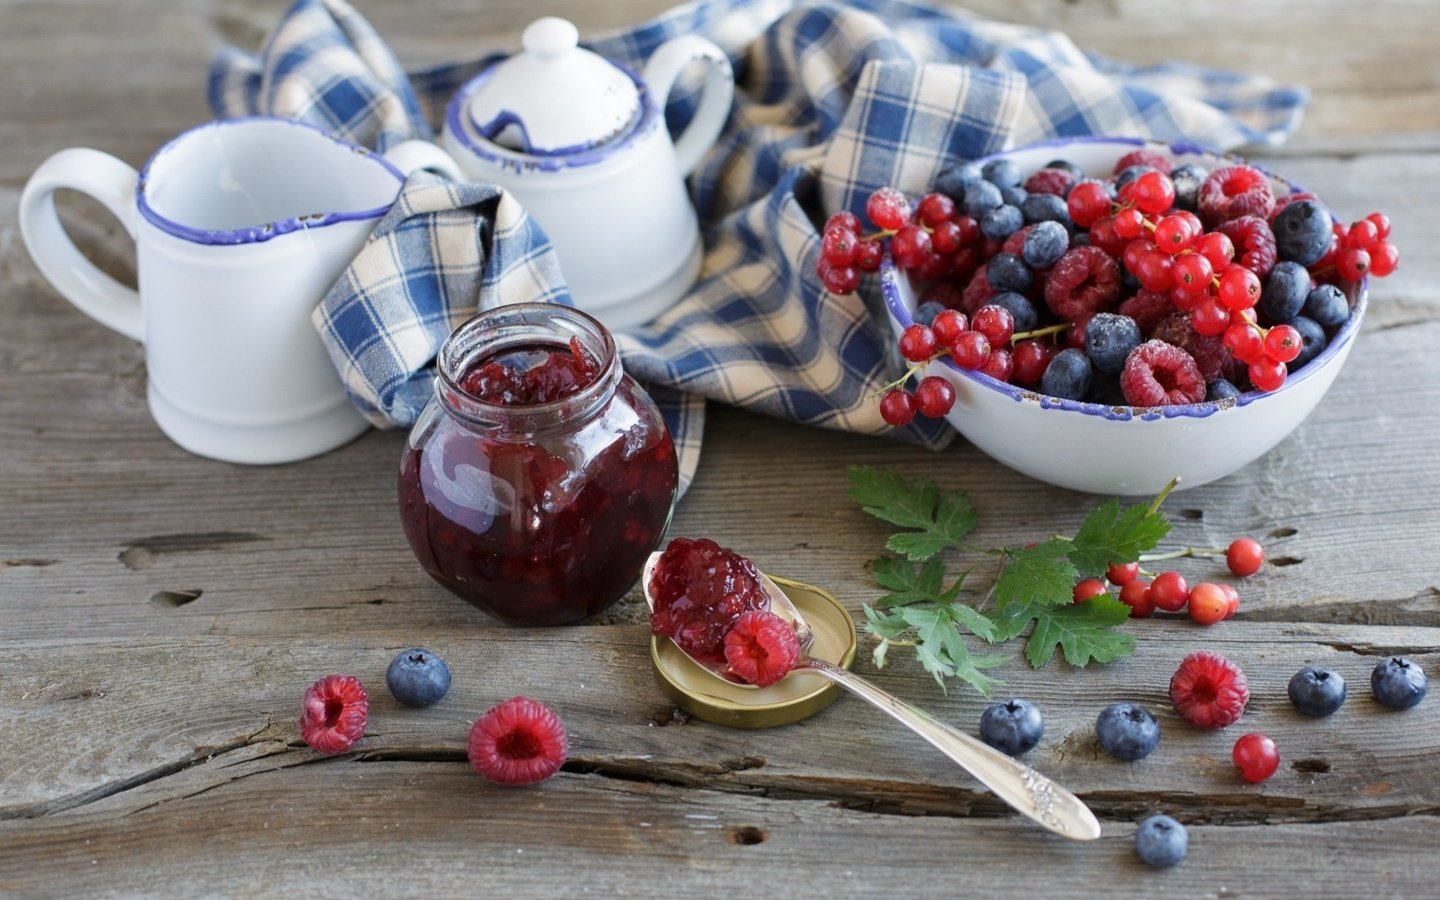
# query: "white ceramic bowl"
[[1123, 450]]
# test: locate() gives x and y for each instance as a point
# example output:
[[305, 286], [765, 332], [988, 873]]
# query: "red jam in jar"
[[540, 477]]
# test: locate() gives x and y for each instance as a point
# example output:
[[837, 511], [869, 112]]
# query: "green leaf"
[[938, 520], [907, 582], [1110, 534], [1082, 630], [975, 621], [1042, 574]]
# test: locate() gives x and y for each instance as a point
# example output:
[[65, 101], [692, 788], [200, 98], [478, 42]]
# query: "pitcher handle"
[[417, 154], [660, 73], [78, 280]]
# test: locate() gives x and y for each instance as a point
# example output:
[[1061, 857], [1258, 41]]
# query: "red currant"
[[1169, 592], [1102, 235], [1256, 757], [1267, 374], [1239, 287], [1362, 235], [1207, 603], [1353, 263], [1244, 556], [1283, 343], [839, 247], [935, 209], [969, 229], [1031, 358], [917, 343], [1384, 257], [996, 323], [888, 209], [1088, 202], [839, 280], [1193, 272], [1234, 597], [1382, 224], [1136, 595], [948, 326], [911, 246], [897, 407], [1153, 192], [1122, 573], [970, 350], [868, 255], [934, 396], [1129, 223], [1173, 234], [1000, 365], [1134, 252], [945, 237], [1156, 271], [1216, 247], [1209, 318], [1244, 341], [843, 221], [933, 265], [1087, 588]]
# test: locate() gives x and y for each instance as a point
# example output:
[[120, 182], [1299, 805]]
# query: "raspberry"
[[761, 648], [978, 292], [520, 741], [1208, 690], [1208, 351], [1085, 281], [1161, 374], [1147, 308], [1015, 243], [1143, 157], [332, 713], [1050, 181], [1254, 242], [1233, 191]]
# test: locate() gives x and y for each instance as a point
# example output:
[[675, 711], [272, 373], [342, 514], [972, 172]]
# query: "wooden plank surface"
[[160, 614]]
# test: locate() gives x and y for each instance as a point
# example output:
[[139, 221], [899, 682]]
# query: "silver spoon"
[[1029, 792]]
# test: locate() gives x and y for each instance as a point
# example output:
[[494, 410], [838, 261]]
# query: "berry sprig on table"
[[1158, 286]]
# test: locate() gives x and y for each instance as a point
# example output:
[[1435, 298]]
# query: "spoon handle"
[[1017, 784]]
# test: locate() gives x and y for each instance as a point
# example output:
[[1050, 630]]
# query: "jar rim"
[[516, 324]]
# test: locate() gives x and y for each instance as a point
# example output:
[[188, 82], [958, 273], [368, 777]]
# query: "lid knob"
[[549, 37]]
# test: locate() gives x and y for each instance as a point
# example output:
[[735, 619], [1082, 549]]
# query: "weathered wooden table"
[[160, 614]]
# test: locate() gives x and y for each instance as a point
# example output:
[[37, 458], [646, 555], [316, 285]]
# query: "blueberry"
[[1161, 842], [1128, 282], [1303, 232], [1327, 306], [1284, 293], [1220, 389], [1127, 731], [1109, 338], [1313, 340], [1007, 272], [980, 197], [926, 312], [956, 180], [1045, 243], [1012, 727], [1067, 165], [417, 677], [1067, 376], [1014, 196], [1398, 683], [1001, 222], [1187, 180], [1317, 692], [1002, 173], [1045, 208], [1129, 174], [1021, 309], [1080, 239]]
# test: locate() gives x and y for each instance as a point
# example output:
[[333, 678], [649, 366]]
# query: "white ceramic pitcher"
[[240, 226], [582, 143]]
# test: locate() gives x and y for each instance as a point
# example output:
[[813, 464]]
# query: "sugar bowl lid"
[[555, 97]]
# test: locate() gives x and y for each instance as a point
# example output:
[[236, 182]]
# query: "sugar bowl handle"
[[665, 66]]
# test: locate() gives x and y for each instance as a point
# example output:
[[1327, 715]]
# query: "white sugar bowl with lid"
[[582, 144]]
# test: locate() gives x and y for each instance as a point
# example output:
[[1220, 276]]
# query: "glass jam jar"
[[540, 476]]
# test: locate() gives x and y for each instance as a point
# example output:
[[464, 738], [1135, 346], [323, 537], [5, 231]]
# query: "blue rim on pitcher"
[[254, 234]]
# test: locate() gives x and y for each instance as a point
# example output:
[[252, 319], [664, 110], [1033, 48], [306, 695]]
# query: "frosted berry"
[[917, 343], [996, 323], [839, 247], [1045, 243], [910, 246], [1143, 156], [935, 209], [1161, 374], [934, 397], [1256, 757], [761, 648], [843, 221], [1209, 691], [1068, 376], [1254, 243], [1109, 339], [867, 258], [1233, 191], [333, 713], [520, 741], [1085, 281], [970, 350], [1022, 311], [897, 407], [888, 209]]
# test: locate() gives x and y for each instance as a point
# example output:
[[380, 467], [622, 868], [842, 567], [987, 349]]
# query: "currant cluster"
[[1207, 602], [1158, 285]]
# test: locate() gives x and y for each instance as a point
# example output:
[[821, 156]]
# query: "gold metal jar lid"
[[797, 697]]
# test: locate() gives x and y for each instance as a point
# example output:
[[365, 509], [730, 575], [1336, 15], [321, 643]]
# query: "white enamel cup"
[[240, 226]]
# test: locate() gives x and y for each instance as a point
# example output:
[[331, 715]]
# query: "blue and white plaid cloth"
[[833, 100]]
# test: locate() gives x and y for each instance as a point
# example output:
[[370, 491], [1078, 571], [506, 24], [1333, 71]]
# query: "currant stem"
[[1160, 497], [1182, 553], [1039, 332]]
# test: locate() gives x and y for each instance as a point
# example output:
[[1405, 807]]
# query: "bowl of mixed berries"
[[1109, 314]]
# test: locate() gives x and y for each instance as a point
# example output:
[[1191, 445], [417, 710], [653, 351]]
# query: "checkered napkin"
[[833, 100]]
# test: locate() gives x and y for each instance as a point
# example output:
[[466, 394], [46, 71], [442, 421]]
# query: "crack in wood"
[[142, 553], [1419, 610], [30, 563]]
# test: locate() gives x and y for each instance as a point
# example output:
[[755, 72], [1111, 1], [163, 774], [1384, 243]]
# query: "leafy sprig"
[[1031, 588]]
